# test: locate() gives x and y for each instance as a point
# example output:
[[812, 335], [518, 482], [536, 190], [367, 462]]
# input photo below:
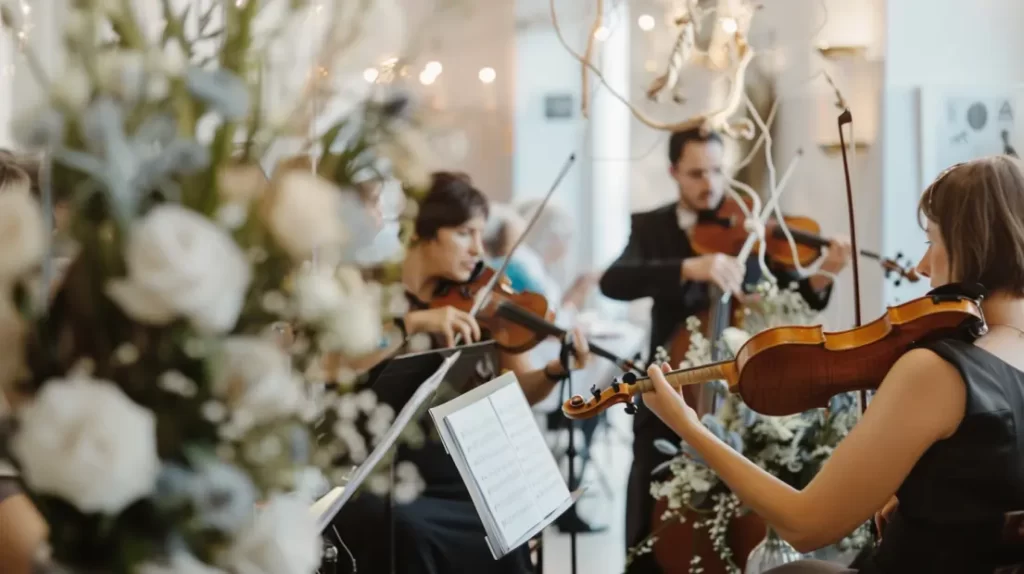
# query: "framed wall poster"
[[961, 124]]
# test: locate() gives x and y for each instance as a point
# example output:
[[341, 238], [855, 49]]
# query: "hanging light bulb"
[[487, 75], [371, 75], [602, 33], [646, 22], [729, 25], [426, 78], [433, 68]]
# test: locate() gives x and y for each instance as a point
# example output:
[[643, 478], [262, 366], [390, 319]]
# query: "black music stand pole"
[[565, 357]]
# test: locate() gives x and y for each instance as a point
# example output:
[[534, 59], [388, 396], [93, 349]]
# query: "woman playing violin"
[[440, 532], [940, 452]]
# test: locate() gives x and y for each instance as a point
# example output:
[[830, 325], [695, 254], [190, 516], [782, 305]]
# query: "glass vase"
[[771, 552]]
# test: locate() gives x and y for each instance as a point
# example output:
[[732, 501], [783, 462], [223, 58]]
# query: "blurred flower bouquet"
[[792, 448], [173, 375]]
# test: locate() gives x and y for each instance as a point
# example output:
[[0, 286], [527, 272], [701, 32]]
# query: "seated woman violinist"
[[441, 532], [943, 439]]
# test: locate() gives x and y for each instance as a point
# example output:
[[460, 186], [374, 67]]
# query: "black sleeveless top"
[[952, 504]]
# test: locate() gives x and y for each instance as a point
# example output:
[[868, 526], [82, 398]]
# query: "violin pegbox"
[[900, 266], [579, 407]]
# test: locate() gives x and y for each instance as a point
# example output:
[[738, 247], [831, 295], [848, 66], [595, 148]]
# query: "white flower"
[[734, 339], [85, 441], [74, 89], [283, 539], [355, 328], [317, 295], [303, 215], [23, 235], [180, 563], [180, 263], [254, 378]]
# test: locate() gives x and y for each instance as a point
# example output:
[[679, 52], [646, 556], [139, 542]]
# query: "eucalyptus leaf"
[[666, 447], [714, 425], [661, 468], [225, 92]]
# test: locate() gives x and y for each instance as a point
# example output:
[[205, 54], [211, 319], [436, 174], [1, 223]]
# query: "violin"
[[724, 231], [517, 321], [788, 370]]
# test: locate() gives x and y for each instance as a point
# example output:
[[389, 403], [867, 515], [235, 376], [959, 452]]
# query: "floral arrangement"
[[791, 448], [174, 381]]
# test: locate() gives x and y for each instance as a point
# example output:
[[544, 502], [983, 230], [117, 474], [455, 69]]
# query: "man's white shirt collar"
[[686, 218]]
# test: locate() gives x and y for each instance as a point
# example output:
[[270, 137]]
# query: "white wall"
[[935, 44]]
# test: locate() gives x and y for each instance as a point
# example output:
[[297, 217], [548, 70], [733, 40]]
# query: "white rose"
[[180, 263], [23, 235], [254, 378], [85, 441], [283, 539], [318, 295], [303, 215]]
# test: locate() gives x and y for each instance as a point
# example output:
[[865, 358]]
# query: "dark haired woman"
[[440, 532], [941, 449]]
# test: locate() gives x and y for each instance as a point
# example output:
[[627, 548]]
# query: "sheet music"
[[495, 466], [535, 460]]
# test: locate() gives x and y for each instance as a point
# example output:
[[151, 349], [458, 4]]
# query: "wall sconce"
[[851, 29], [861, 88]]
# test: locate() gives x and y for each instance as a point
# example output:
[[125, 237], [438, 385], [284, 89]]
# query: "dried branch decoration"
[[729, 53]]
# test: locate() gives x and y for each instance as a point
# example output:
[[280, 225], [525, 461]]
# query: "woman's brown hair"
[[979, 208]]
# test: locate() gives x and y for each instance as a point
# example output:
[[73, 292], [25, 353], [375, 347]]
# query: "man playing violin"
[[440, 532], [659, 262], [942, 440]]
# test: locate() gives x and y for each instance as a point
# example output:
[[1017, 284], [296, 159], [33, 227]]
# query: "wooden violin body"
[[791, 369], [509, 335]]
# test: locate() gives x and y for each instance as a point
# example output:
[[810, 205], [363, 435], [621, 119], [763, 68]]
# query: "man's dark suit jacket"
[[650, 266]]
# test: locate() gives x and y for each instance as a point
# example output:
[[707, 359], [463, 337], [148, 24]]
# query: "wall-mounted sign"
[[558, 106]]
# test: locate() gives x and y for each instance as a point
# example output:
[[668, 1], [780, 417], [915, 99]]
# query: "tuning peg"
[[630, 409], [629, 378], [615, 386], [596, 392]]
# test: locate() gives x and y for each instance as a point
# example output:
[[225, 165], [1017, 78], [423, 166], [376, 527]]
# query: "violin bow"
[[847, 118], [484, 293]]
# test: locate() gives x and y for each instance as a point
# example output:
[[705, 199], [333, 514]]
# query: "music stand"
[[407, 383]]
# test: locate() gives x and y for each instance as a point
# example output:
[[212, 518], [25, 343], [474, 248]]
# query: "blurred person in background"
[[551, 238]]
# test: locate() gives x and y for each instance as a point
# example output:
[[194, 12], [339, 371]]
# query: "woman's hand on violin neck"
[[447, 321], [723, 270], [668, 403]]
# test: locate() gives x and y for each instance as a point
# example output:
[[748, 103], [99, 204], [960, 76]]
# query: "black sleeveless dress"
[[438, 533], [953, 504]]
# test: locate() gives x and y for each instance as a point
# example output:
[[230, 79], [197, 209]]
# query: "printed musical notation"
[[493, 462], [548, 488]]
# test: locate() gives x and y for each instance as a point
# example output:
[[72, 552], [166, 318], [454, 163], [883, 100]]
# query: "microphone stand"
[[564, 357]]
